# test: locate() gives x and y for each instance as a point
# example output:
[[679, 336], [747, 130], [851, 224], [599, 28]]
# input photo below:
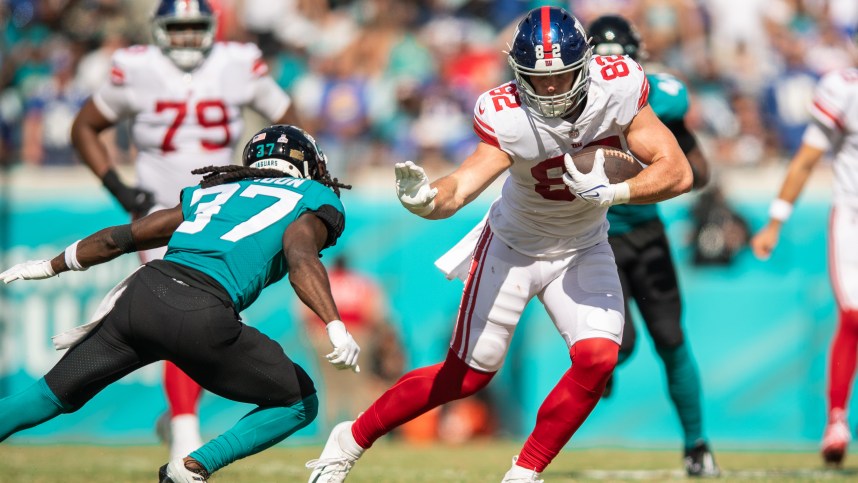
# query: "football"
[[619, 165]]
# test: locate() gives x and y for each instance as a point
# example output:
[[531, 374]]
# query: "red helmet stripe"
[[546, 31]]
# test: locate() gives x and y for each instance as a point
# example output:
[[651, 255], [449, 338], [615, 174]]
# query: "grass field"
[[397, 463]]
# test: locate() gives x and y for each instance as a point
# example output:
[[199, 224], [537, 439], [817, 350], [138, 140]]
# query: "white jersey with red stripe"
[[186, 120], [835, 108], [537, 214]]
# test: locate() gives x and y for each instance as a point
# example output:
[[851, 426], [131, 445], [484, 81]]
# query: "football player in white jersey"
[[184, 97], [834, 127], [546, 236]]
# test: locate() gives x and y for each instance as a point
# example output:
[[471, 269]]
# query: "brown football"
[[619, 165]]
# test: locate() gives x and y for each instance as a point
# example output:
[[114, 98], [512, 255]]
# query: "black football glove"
[[136, 201]]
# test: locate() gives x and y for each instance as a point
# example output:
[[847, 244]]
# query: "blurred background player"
[[184, 96], [363, 308], [834, 127], [642, 252], [274, 217], [545, 237]]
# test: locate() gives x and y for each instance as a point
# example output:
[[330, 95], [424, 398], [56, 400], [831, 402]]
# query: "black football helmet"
[[184, 30], [288, 149], [550, 41], [614, 35]]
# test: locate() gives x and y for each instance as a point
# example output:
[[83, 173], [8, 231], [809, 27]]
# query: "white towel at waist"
[[71, 337]]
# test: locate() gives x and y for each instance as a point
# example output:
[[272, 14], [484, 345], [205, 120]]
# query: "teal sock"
[[28, 408], [683, 384], [257, 430]]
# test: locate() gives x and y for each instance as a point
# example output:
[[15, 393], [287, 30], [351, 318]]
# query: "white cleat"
[[518, 474], [334, 464], [836, 438], [177, 472]]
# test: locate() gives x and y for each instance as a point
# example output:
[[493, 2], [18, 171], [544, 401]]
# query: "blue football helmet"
[[184, 30], [550, 41]]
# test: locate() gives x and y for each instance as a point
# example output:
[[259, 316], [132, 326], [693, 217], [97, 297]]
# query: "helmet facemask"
[[185, 34], [556, 105]]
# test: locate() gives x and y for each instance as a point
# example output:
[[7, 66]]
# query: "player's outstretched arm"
[[87, 126], [102, 246], [450, 193], [669, 173], [302, 242], [798, 172]]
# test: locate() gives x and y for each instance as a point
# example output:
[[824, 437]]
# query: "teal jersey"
[[234, 232], [668, 97]]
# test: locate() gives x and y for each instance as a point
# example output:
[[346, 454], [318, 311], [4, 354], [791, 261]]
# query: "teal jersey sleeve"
[[668, 97], [234, 232]]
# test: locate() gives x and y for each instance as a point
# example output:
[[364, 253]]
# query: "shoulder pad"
[[495, 115], [620, 76], [127, 61], [245, 54], [832, 96]]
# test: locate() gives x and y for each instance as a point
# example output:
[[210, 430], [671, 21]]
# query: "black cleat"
[[699, 462]]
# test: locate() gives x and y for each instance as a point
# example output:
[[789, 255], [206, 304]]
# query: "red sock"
[[415, 393], [841, 368], [182, 392], [570, 402]]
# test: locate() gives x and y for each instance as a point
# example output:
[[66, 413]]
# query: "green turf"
[[390, 462]]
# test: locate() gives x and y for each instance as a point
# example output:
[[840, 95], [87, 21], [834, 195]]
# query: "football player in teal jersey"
[[242, 229], [642, 253]]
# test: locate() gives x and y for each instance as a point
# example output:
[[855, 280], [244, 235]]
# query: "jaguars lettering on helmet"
[[550, 41], [288, 149], [185, 31]]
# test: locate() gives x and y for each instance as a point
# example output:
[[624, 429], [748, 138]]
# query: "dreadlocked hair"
[[217, 175]]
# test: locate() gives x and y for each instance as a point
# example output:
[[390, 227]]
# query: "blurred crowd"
[[381, 81]]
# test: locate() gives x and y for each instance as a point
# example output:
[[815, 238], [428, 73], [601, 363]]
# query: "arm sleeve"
[[334, 220], [683, 136]]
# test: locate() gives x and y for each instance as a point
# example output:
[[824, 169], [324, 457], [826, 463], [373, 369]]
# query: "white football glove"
[[594, 187], [413, 190], [346, 350], [29, 270]]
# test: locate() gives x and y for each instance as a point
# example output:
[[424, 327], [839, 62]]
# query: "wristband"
[[111, 181], [622, 193], [780, 210], [71, 258]]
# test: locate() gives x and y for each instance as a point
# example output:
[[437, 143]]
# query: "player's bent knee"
[[668, 340], [488, 353], [309, 408], [596, 355]]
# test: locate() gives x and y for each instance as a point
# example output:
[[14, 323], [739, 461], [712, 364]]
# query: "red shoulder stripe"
[[830, 115], [260, 68], [644, 94], [487, 136], [117, 76]]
